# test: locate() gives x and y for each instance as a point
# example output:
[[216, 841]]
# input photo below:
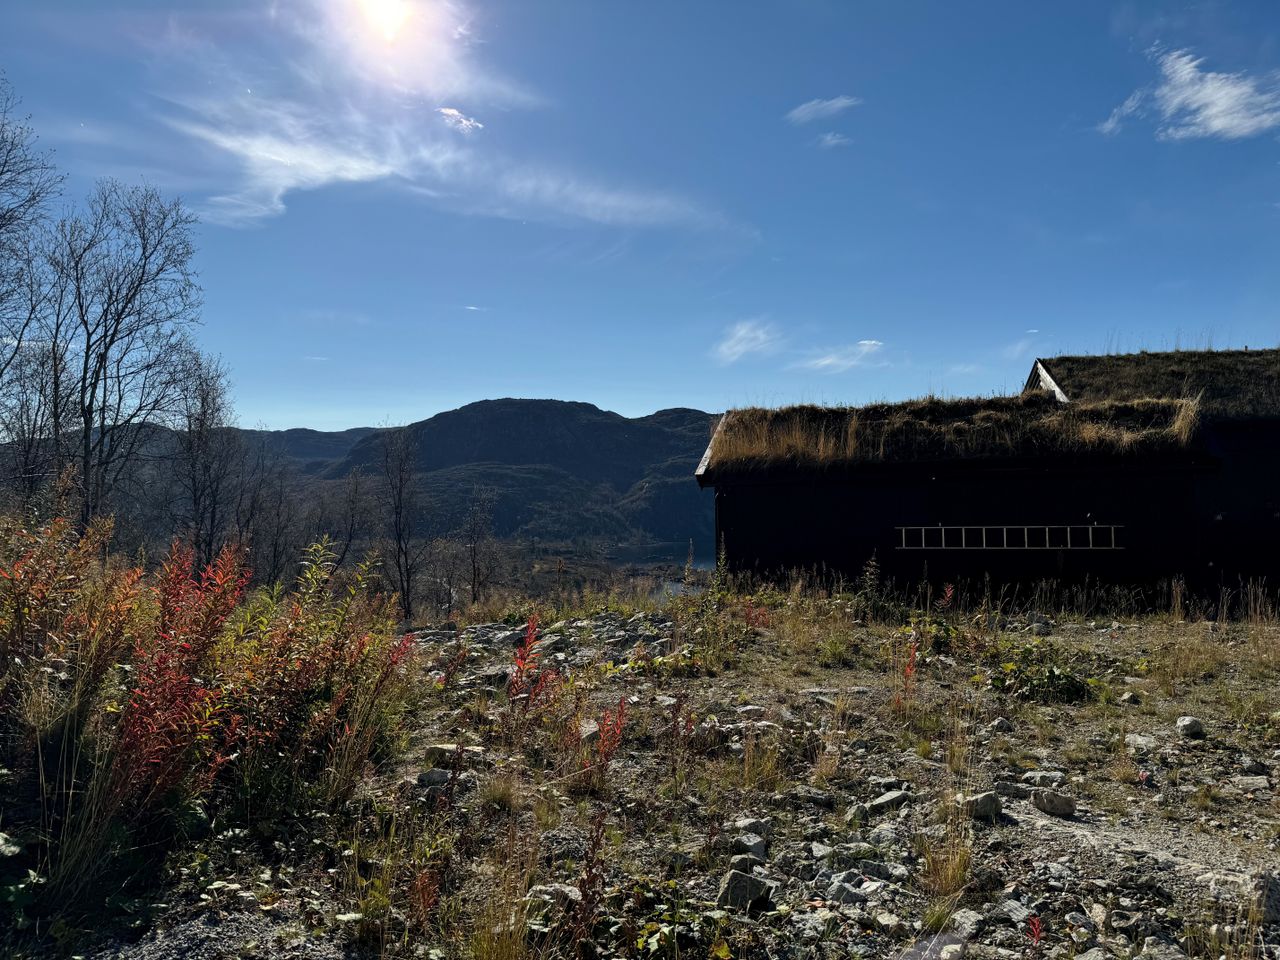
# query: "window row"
[[1096, 537]]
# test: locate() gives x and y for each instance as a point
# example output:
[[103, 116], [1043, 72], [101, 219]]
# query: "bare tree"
[[28, 181], [349, 515], [121, 300], [406, 545], [208, 458], [481, 547]]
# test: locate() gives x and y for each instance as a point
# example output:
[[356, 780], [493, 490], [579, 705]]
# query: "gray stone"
[[561, 894], [1044, 778], [751, 843], [1253, 767], [744, 891], [1018, 791], [1139, 743], [820, 851], [966, 923], [889, 923], [1158, 949], [844, 893], [1250, 784], [1189, 727], [1053, 803], [981, 806], [890, 800], [1001, 725], [435, 777], [745, 862], [1014, 911]]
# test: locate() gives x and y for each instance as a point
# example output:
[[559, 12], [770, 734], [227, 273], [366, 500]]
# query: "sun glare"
[[386, 16]]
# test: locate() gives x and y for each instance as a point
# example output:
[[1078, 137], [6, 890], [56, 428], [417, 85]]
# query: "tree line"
[[108, 407]]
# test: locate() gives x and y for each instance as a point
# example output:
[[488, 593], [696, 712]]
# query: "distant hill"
[[558, 470]]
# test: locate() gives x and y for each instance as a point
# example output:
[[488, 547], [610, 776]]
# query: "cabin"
[[1128, 469]]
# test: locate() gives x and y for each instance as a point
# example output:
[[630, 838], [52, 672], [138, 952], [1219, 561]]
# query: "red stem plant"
[[123, 702]]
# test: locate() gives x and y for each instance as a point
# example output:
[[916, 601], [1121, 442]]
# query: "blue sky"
[[408, 205]]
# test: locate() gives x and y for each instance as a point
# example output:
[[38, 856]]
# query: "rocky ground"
[[773, 777]]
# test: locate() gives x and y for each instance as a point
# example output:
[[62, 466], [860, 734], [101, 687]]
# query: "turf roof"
[[932, 429], [1229, 383]]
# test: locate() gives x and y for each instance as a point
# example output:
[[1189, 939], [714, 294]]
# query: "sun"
[[387, 17]]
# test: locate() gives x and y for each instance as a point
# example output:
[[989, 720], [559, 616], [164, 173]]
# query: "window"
[[1051, 537]]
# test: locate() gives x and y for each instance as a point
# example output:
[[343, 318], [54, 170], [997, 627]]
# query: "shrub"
[[128, 701]]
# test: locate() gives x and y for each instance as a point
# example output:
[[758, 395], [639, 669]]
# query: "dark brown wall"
[[1209, 518]]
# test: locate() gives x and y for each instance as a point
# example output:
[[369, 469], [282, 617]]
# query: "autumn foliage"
[[128, 699]]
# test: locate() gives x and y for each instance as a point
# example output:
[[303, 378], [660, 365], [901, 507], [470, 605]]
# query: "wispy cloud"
[[351, 96], [1019, 349], [842, 359], [744, 338], [829, 140], [1194, 103], [458, 120], [820, 109], [1115, 122]]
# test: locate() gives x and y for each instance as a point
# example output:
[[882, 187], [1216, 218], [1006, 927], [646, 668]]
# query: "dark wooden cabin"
[[1122, 468]]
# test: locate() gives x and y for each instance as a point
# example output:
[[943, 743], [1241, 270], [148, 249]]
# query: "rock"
[[844, 893], [751, 843], [1041, 629], [1139, 743], [745, 862], [1253, 767], [754, 825], [1250, 784], [561, 894], [890, 800], [1097, 953], [450, 754], [1016, 790], [889, 923], [744, 891], [435, 777], [812, 795], [981, 806], [1158, 949], [1126, 922], [966, 923], [858, 813], [1001, 725], [588, 732], [1044, 778], [1053, 803], [820, 851], [1189, 727], [1130, 698], [1014, 911]]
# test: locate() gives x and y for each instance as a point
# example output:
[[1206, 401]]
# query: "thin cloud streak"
[[829, 141], [821, 109], [1194, 103], [346, 109], [745, 338], [843, 359]]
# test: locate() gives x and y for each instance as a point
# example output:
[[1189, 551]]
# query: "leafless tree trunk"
[[28, 181], [122, 298], [477, 534], [207, 458], [350, 515], [406, 546]]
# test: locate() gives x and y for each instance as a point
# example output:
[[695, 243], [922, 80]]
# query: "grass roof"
[[1031, 424], [1229, 383]]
